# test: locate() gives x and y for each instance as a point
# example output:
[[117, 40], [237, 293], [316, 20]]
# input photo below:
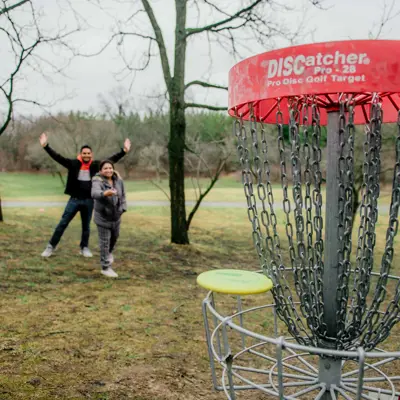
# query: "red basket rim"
[[322, 70]]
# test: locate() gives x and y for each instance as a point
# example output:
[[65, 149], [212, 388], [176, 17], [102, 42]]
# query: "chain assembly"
[[296, 264]]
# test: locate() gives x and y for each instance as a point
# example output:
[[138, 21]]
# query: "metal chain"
[[247, 181], [304, 263], [309, 293], [307, 281], [268, 249], [377, 328], [368, 219], [265, 256], [345, 215], [297, 261], [269, 218], [287, 209], [358, 323], [288, 308]]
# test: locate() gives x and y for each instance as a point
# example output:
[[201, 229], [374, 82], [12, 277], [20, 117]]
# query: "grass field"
[[31, 186], [69, 333], [45, 187]]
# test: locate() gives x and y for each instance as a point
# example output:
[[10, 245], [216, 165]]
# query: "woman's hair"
[[106, 162]]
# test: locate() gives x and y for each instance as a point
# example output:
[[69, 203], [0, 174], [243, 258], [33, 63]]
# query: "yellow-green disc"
[[234, 281]]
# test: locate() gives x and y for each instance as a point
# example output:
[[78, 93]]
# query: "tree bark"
[[176, 152], [176, 145]]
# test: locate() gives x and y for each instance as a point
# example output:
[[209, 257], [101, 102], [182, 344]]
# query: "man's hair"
[[106, 162], [85, 146]]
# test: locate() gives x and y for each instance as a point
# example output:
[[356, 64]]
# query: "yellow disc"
[[234, 281]]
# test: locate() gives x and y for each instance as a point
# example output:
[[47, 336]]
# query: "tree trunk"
[[176, 151], [176, 145], [177, 123], [1, 212]]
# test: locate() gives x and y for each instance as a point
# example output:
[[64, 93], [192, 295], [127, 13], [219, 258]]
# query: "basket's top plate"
[[234, 281], [359, 67]]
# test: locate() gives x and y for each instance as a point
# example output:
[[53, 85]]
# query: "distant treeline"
[[209, 140]]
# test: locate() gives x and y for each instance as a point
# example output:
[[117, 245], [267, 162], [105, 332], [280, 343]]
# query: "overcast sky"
[[88, 77]]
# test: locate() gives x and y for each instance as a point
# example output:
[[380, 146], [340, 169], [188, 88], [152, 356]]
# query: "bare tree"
[[118, 108], [20, 38], [232, 25]]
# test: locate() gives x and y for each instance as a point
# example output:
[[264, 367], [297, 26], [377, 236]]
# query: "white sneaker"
[[109, 272], [86, 252], [110, 258], [48, 251]]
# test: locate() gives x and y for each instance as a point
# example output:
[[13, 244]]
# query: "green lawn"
[[26, 186], [45, 187]]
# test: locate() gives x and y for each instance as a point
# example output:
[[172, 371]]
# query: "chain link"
[[368, 218], [309, 292]]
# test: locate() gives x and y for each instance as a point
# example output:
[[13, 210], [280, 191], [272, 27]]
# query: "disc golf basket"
[[336, 296]]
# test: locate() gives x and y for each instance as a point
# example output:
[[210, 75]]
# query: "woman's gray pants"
[[107, 240]]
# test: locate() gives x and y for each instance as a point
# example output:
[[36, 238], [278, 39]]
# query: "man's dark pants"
[[74, 205]]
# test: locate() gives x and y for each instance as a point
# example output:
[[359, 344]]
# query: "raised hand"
[[127, 145], [43, 139]]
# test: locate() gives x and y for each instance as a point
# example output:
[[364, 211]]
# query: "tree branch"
[[160, 41], [121, 33], [4, 125], [24, 53], [7, 9], [238, 14], [388, 14], [10, 81], [205, 106], [159, 187], [212, 5], [318, 4], [205, 84], [203, 195]]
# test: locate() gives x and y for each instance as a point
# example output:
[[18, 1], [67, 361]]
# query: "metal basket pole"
[[330, 368]]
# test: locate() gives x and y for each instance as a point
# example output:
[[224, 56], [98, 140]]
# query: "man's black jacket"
[[74, 165]]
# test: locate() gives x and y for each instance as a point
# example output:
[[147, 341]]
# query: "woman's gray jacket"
[[108, 210]]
